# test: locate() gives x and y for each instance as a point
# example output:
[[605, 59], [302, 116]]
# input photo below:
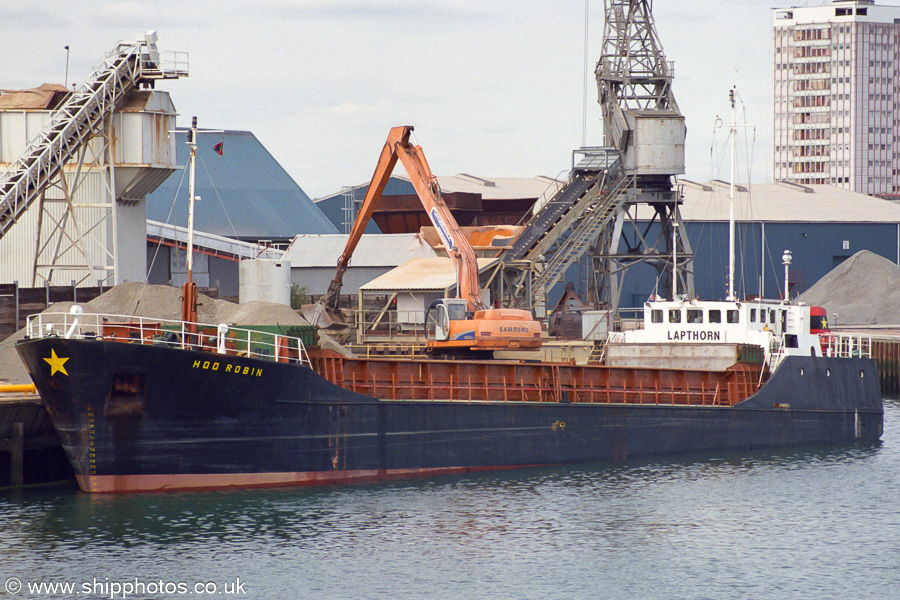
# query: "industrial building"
[[813, 222], [249, 207], [835, 115], [313, 258], [88, 226], [473, 201]]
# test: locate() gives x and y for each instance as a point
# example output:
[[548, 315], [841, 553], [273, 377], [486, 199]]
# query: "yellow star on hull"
[[56, 363]]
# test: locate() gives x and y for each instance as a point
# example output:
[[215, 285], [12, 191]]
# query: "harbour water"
[[812, 523]]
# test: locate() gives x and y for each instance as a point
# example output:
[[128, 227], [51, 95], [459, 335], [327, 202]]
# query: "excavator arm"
[[461, 324], [398, 147]]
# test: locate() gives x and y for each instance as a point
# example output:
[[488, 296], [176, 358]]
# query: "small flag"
[[218, 148]]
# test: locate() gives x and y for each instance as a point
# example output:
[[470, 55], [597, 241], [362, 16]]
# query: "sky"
[[493, 88]]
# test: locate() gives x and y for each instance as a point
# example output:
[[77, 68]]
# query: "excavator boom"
[[398, 147], [463, 323]]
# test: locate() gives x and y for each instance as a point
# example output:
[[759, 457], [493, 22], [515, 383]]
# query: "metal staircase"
[[549, 214], [78, 119]]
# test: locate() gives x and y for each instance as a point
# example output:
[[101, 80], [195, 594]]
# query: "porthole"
[[862, 374], [827, 372], [801, 371]]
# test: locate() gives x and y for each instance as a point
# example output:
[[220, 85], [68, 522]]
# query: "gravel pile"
[[862, 290], [151, 301], [258, 313], [163, 302]]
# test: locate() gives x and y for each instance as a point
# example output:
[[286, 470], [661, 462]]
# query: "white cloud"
[[354, 108]]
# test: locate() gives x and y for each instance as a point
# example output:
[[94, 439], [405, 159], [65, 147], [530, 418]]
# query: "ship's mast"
[[733, 134], [189, 289], [732, 131], [192, 144]]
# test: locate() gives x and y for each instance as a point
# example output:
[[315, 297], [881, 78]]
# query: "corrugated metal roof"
[[245, 193], [380, 250], [421, 274], [781, 202]]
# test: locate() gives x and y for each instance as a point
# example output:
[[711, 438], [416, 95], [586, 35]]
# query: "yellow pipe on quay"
[[25, 388]]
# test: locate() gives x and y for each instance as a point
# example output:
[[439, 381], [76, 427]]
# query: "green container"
[[262, 337]]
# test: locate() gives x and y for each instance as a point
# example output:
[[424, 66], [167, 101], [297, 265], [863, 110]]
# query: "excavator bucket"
[[321, 316]]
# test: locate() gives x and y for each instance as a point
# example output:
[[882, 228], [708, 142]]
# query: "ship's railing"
[[405, 326], [384, 349], [220, 338], [847, 345]]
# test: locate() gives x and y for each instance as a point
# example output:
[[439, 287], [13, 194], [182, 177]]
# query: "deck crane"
[[463, 323]]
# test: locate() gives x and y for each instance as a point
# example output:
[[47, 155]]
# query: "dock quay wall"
[[30, 451]]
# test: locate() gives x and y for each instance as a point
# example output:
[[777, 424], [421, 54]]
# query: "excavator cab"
[[439, 316]]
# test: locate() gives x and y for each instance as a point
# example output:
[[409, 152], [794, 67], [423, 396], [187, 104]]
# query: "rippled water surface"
[[817, 523]]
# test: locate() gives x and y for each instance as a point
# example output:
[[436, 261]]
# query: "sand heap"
[[151, 301], [163, 302], [862, 290]]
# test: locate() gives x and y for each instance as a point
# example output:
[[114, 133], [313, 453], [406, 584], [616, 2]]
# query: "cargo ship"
[[152, 405], [139, 407]]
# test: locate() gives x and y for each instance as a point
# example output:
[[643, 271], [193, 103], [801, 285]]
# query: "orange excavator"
[[463, 323]]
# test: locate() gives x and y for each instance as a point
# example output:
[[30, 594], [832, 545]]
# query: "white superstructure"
[[703, 329], [835, 80]]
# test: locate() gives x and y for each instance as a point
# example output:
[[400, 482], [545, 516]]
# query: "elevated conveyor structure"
[[83, 115], [566, 226]]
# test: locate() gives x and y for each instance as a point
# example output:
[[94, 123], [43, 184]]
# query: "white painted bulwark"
[[265, 281], [714, 357]]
